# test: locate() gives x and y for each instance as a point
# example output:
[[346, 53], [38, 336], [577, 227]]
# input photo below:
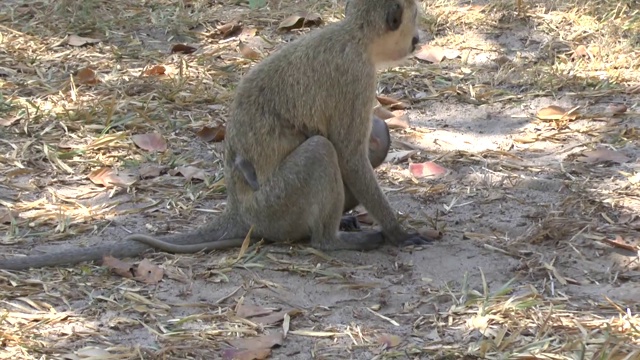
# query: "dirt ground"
[[539, 215]]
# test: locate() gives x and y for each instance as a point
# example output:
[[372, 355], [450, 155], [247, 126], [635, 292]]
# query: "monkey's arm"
[[359, 177]]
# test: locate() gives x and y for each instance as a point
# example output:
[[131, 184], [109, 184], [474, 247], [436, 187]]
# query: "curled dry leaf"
[[75, 40], [148, 272], [214, 134], [398, 122], [555, 112], [299, 20], [155, 70], [9, 121], [428, 168], [150, 142], [261, 342], [391, 103], [118, 266], [248, 52], [255, 354], [616, 109], [107, 177], [189, 172], [382, 113], [150, 171], [434, 54], [581, 52], [389, 340], [246, 311], [86, 76], [603, 155], [230, 29], [182, 48]]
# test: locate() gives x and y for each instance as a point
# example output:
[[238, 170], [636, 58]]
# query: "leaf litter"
[[50, 196]]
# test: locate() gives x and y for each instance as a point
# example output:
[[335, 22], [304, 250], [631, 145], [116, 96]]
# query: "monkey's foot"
[[417, 240], [349, 223]]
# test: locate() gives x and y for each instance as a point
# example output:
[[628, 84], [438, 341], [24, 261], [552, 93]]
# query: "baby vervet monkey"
[[302, 118]]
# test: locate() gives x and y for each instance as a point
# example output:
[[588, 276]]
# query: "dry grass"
[[58, 125]]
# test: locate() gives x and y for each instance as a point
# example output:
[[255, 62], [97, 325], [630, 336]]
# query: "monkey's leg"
[[303, 199], [379, 144]]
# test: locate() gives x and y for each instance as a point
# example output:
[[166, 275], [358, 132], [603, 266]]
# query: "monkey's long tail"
[[205, 238]]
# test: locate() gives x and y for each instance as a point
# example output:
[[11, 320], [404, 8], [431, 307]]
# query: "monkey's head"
[[390, 26]]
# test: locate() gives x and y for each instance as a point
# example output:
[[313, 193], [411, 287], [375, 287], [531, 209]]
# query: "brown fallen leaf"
[[215, 134], [555, 112], [382, 113], [248, 52], [182, 48], [86, 76], [616, 109], [389, 340], [150, 142], [6, 216], [9, 121], [603, 155], [148, 272], [150, 171], [300, 20], [581, 52], [230, 29], [246, 311], [619, 243], [451, 53], [424, 169], [255, 354], [155, 70], [189, 172], [275, 317], [391, 103], [118, 266], [107, 177], [75, 40], [260, 342], [398, 122], [434, 54]]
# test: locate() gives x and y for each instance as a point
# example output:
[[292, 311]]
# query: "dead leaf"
[[451, 53], [6, 216], [526, 139], [581, 52], [107, 177], [424, 169], [150, 171], [9, 121], [430, 233], [118, 266], [616, 109], [75, 40], [230, 29], [261, 342], [434, 54], [182, 48], [215, 134], [389, 340], [603, 155], [398, 122], [86, 76], [275, 317], [155, 70], [300, 20], [189, 172], [148, 272], [555, 112], [256, 354], [391, 103], [248, 52], [246, 311], [150, 142], [382, 113], [399, 156]]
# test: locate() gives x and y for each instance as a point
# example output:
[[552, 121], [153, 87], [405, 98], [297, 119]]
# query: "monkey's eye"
[[394, 17]]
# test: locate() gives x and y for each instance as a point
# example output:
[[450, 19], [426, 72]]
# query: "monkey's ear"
[[394, 16]]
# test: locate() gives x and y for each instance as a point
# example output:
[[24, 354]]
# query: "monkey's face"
[[400, 35]]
